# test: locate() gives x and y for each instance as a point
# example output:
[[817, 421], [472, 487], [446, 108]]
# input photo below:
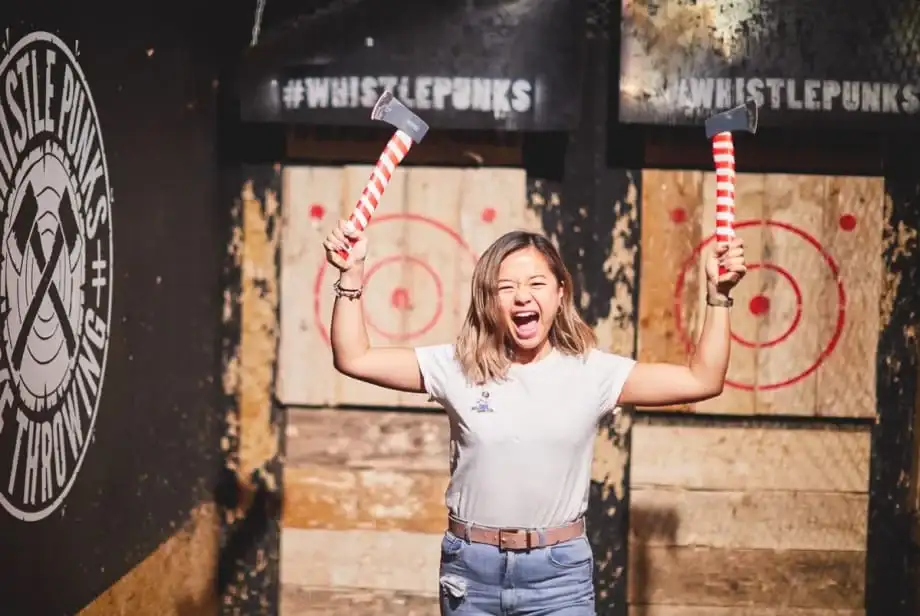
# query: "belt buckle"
[[510, 532]]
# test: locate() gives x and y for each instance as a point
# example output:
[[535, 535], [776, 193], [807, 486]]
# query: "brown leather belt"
[[516, 538]]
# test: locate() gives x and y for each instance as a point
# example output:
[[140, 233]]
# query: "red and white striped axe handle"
[[397, 149], [410, 129], [719, 129], [723, 154]]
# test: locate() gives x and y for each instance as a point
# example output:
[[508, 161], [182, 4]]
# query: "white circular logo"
[[55, 273]]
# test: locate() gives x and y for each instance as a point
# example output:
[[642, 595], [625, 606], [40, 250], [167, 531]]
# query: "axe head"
[[740, 118], [390, 110]]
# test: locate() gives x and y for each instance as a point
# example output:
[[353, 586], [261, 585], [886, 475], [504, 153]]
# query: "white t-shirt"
[[521, 449]]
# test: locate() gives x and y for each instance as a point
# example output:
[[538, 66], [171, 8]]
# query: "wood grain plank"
[[435, 281], [691, 576], [311, 199], [442, 148], [365, 559], [853, 235], [709, 610], [494, 202], [300, 601], [368, 439], [759, 584], [794, 205], [748, 520], [322, 497], [672, 225], [751, 458]]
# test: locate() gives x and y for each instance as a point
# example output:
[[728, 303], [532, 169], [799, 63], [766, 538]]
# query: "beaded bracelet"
[[347, 293]]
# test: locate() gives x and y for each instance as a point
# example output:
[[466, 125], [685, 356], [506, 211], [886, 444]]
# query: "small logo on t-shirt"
[[482, 405]]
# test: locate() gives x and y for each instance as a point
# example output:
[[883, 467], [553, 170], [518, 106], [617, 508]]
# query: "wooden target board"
[[425, 239], [806, 317]]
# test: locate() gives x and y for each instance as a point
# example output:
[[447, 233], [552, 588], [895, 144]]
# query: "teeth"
[[525, 314]]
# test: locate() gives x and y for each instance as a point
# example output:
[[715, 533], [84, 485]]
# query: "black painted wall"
[[890, 586], [153, 70]]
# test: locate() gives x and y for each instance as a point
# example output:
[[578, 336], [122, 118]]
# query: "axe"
[[24, 231], [719, 129], [410, 129]]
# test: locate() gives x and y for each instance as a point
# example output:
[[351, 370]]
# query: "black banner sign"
[[460, 101], [484, 65], [841, 63]]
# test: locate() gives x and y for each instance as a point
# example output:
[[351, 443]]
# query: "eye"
[[505, 288], [538, 284]]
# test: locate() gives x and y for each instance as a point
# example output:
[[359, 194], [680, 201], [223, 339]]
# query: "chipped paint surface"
[[249, 489], [177, 579], [899, 241], [616, 332], [259, 324], [610, 458], [596, 229], [892, 563], [914, 487]]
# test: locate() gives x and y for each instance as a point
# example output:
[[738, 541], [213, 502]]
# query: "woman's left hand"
[[731, 257]]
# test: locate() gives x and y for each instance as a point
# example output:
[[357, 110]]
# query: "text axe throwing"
[[55, 216]]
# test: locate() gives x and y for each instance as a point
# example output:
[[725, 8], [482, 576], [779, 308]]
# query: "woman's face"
[[529, 296]]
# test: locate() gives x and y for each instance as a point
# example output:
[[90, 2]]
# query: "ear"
[[561, 291]]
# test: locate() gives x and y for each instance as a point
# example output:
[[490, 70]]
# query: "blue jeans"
[[478, 579]]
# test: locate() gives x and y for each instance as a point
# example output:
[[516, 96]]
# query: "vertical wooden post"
[[251, 477], [594, 222], [889, 587]]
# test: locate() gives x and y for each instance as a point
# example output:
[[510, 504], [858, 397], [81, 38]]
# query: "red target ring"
[[796, 288], [399, 296], [400, 299]]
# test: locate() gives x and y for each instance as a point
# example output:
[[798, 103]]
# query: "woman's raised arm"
[[352, 354], [660, 384]]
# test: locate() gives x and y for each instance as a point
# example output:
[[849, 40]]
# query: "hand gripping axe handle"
[[719, 129], [410, 129]]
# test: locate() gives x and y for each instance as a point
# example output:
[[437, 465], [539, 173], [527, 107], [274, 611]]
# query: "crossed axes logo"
[[26, 235], [55, 274]]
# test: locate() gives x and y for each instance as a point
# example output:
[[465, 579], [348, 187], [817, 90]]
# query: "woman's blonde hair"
[[485, 350]]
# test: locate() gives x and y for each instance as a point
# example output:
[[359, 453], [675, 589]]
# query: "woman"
[[524, 386]]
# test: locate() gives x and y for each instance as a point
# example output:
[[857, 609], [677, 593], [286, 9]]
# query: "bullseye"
[[761, 305], [401, 300]]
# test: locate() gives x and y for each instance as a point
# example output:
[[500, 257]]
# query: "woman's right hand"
[[338, 240]]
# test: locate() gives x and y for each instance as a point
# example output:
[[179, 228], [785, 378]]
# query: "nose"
[[521, 294]]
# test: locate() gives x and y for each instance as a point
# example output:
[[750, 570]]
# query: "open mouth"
[[526, 324]]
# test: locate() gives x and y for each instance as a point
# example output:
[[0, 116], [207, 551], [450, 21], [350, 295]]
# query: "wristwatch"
[[720, 302]]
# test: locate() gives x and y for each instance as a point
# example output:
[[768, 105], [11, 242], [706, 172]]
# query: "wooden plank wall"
[[741, 514], [731, 515], [806, 323]]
